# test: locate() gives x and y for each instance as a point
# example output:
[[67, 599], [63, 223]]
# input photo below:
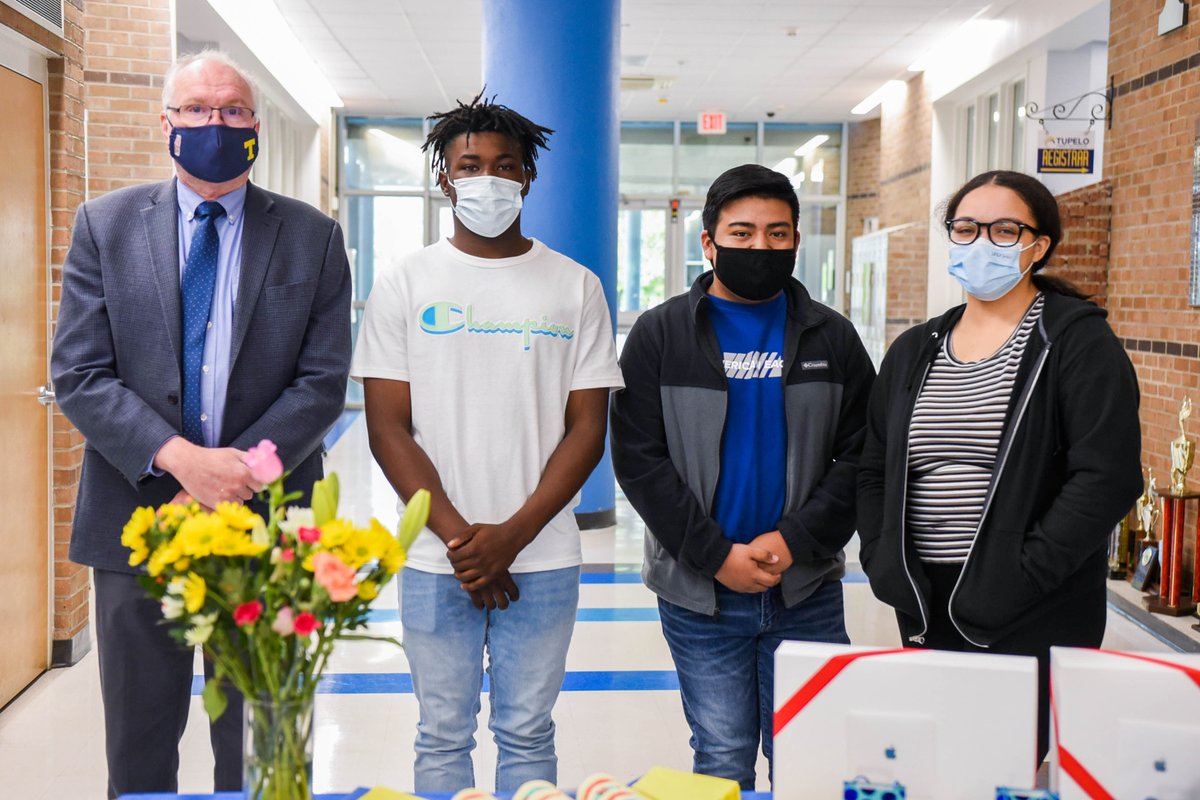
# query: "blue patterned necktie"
[[199, 281]]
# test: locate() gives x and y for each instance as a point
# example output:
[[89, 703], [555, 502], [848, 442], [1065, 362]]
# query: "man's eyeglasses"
[[1001, 232], [196, 114]]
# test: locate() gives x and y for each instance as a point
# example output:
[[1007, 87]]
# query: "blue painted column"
[[557, 63]]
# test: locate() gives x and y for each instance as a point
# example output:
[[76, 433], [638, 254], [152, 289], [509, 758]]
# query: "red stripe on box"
[[1078, 773], [822, 678], [1071, 765]]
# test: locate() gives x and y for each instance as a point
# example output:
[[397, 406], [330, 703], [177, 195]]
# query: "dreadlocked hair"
[[486, 116]]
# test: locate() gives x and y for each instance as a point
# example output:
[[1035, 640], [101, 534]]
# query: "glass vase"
[[279, 749]]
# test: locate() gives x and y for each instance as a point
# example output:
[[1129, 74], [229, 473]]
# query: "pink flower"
[[335, 576], [248, 613], [304, 623], [265, 466], [284, 624], [287, 554], [309, 535]]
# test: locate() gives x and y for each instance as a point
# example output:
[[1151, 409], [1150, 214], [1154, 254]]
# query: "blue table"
[[355, 794]]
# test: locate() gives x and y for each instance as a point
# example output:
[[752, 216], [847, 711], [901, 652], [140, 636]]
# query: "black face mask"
[[754, 274]]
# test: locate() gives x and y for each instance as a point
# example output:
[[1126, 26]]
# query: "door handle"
[[45, 395]]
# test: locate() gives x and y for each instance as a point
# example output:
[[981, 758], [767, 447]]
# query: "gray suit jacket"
[[117, 352]]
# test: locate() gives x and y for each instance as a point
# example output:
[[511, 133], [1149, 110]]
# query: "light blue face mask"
[[985, 271]]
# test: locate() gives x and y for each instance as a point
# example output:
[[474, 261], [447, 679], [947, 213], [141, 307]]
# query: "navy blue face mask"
[[214, 153]]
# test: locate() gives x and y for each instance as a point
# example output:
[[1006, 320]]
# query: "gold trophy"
[[1182, 451], [1147, 508], [1145, 563]]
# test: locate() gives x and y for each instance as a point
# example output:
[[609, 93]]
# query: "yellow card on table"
[[661, 783], [383, 793]]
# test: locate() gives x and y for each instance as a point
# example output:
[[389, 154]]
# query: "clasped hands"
[[756, 566], [481, 555], [209, 475]]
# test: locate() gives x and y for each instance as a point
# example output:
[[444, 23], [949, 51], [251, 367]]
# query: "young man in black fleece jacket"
[[737, 439]]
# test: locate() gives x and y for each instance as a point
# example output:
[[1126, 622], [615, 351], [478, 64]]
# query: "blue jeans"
[[445, 638], [726, 668]]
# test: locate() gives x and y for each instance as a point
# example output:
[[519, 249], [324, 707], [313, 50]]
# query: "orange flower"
[[335, 576]]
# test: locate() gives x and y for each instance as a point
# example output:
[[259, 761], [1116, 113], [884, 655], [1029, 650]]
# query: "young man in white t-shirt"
[[487, 360]]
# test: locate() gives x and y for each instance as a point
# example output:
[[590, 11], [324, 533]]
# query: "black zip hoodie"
[[1068, 468]]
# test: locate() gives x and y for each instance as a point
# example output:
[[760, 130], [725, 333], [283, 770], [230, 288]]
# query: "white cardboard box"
[[945, 725], [1125, 725]]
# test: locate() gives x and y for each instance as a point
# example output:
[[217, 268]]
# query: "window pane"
[[694, 262], [1018, 126], [379, 231], [384, 154], [645, 155], [816, 263], [809, 154], [970, 160], [641, 258], [993, 131], [702, 158]]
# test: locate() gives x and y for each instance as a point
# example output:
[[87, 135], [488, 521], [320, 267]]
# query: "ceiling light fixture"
[[810, 147], [264, 31], [878, 96], [787, 166]]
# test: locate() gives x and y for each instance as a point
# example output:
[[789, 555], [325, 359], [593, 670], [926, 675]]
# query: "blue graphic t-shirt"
[[752, 485]]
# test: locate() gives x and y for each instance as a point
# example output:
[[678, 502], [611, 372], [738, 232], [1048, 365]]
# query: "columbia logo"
[[814, 365]]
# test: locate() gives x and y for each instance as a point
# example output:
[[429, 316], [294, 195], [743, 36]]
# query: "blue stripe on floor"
[[401, 682], [852, 576], [341, 426], [610, 577], [582, 615]]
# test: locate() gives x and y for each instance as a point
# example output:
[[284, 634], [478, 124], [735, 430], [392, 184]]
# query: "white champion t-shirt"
[[490, 347]]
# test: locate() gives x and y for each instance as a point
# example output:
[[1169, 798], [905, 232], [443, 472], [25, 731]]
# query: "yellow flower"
[[237, 516], [165, 555], [229, 542], [358, 548], [194, 590], [134, 534], [393, 560], [335, 532], [197, 534], [368, 590]]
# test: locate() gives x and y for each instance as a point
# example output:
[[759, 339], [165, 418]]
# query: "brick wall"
[[67, 186], [128, 50], [862, 182], [1082, 255], [905, 142], [1148, 158]]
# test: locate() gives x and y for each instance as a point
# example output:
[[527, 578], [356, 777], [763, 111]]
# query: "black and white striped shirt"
[[953, 439]]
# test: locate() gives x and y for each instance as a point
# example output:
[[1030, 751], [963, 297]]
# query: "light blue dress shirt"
[[218, 343]]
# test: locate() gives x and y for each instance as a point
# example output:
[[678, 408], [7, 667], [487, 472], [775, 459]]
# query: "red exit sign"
[[711, 122]]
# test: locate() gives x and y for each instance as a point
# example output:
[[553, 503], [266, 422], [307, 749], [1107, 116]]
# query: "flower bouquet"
[[267, 600]]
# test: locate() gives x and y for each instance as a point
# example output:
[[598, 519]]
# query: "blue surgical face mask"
[[985, 271], [214, 153]]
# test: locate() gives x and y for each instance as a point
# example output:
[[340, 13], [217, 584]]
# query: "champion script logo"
[[443, 318], [751, 366]]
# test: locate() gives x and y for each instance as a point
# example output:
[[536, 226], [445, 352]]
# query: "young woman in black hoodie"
[[1003, 444]]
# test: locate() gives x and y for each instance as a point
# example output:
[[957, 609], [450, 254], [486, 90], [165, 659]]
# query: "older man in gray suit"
[[198, 317]]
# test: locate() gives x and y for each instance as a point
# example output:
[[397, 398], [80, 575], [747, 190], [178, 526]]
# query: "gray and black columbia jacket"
[[669, 421]]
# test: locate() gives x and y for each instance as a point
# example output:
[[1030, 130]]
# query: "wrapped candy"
[[539, 790], [473, 794], [605, 787]]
